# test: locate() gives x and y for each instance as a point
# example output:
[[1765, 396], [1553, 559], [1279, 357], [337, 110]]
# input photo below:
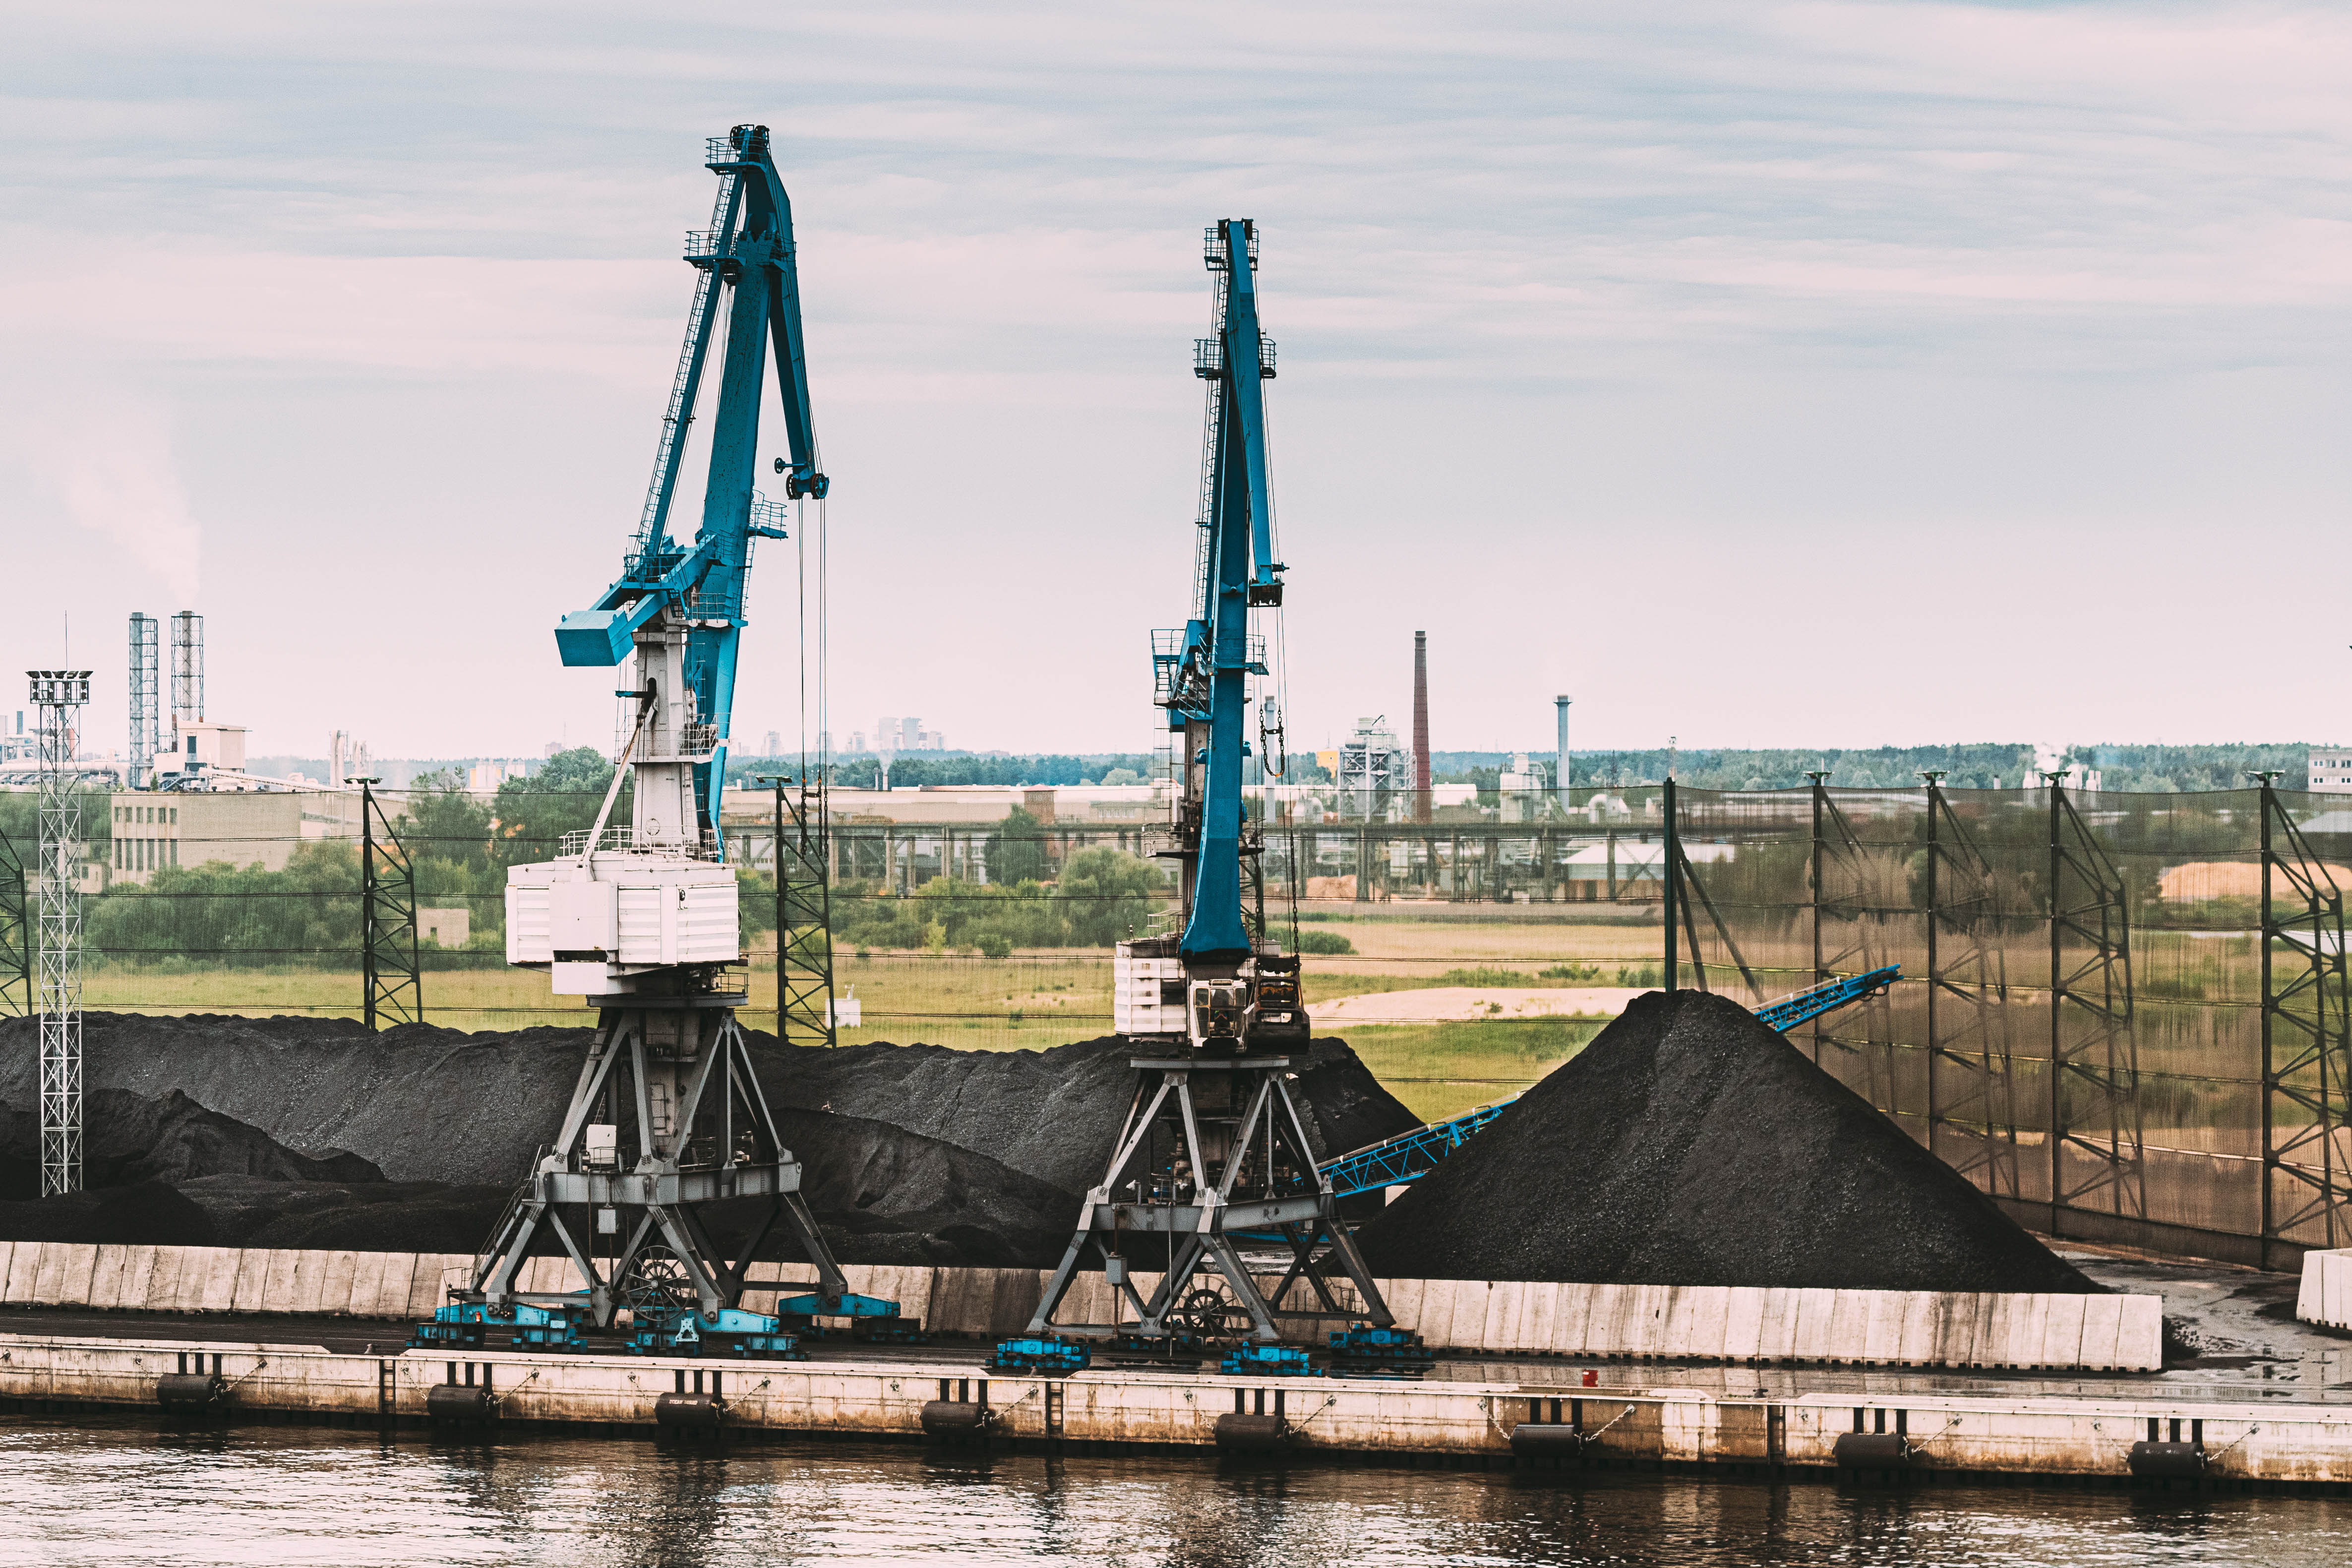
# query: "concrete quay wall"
[[1704, 1323], [2041, 1437], [2325, 1295]]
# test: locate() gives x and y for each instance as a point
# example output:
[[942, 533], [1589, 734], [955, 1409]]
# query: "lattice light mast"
[[59, 695]]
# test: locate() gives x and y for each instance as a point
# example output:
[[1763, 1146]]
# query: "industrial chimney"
[[1420, 726], [146, 699], [187, 674], [1559, 777]]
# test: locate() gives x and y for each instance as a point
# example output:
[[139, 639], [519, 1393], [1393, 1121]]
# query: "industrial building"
[[153, 830]]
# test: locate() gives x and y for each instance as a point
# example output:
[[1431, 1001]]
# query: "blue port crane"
[[1207, 695], [668, 1115], [1214, 1147], [746, 276]]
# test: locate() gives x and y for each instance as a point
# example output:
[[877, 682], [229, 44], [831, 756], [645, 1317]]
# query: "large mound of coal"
[[1052, 1114], [421, 1103], [1690, 1144], [424, 1103], [129, 1138], [346, 1217], [883, 1195], [146, 1213]]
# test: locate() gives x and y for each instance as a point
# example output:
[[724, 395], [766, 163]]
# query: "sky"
[[1756, 374]]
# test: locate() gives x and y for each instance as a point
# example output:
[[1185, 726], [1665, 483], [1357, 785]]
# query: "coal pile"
[[424, 1103], [346, 1217], [129, 1138], [883, 1195], [1052, 1114], [146, 1213], [1690, 1144], [419, 1102], [304, 1132]]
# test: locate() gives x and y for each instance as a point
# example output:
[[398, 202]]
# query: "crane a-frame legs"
[[673, 1086], [1200, 1167]]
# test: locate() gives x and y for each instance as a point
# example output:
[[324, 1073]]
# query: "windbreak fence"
[[2123, 1015]]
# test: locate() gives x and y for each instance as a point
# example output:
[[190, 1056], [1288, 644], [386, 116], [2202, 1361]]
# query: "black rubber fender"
[[1252, 1434], [1551, 1439], [689, 1412], [2168, 1461], [458, 1404], [1872, 1451], [191, 1392], [954, 1417]]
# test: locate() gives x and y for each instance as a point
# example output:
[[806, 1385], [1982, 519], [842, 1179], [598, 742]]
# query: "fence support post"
[[1813, 897], [1674, 859], [390, 980], [2057, 1134]]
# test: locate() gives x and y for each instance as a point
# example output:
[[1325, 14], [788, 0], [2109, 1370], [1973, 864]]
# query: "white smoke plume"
[[116, 476]]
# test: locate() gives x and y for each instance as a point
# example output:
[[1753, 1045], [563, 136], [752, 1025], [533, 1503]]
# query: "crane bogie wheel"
[[1206, 1313], [658, 1286]]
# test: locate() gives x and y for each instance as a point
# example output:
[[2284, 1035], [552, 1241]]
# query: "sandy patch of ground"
[[1459, 1003]]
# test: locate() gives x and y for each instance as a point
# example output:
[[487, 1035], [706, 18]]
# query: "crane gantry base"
[[672, 1079], [1215, 1156]]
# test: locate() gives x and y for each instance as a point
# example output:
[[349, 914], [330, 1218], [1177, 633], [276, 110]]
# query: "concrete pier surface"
[[1627, 1415]]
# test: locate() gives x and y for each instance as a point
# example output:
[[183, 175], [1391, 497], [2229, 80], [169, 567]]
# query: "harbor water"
[[104, 1490]]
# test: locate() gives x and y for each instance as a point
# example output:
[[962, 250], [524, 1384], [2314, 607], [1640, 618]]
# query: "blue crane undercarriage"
[[667, 1117], [1214, 1145]]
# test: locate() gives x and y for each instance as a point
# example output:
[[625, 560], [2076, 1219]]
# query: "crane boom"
[[1242, 573], [680, 608], [1220, 978]]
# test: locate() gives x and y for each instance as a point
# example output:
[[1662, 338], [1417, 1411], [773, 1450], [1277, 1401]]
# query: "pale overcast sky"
[[1812, 373]]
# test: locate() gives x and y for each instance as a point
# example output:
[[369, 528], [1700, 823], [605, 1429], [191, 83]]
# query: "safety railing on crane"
[[1209, 358], [1213, 245]]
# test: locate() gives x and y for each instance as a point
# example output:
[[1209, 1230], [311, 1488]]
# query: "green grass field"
[[1443, 1069]]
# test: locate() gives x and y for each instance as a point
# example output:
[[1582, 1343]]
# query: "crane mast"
[[667, 1116], [1215, 1152]]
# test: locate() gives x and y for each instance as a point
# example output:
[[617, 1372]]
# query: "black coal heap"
[[1691, 1144]]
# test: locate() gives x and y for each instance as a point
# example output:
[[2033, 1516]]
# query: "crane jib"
[[680, 612], [1239, 547]]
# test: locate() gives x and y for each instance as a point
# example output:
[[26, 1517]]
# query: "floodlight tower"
[[60, 696]]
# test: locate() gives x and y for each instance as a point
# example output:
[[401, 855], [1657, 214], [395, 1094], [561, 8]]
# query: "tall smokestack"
[[1420, 726], [187, 674], [1561, 775]]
